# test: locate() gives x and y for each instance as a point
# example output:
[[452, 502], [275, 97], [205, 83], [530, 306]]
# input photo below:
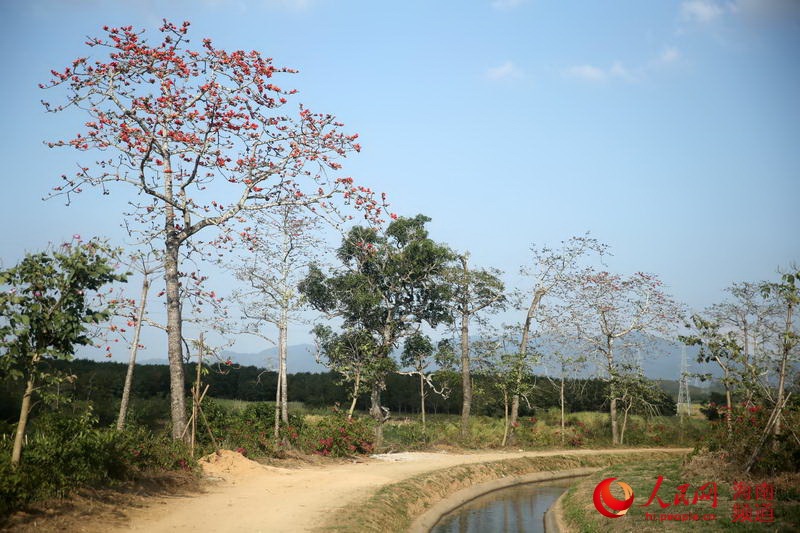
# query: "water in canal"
[[515, 509]]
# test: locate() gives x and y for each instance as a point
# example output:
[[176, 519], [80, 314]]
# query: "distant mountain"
[[299, 358], [661, 359]]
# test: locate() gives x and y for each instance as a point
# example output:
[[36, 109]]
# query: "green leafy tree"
[[350, 354], [474, 291], [391, 282], [46, 313], [419, 354]]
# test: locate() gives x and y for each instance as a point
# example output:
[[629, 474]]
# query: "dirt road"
[[268, 499]]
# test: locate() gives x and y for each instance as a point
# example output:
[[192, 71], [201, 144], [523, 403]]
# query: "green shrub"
[[337, 436], [67, 452]]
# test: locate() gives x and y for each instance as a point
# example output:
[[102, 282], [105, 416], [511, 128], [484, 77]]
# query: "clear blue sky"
[[671, 130]]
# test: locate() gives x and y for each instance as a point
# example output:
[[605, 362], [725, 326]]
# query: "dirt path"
[[268, 499]]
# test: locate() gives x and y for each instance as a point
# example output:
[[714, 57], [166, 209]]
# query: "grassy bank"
[[395, 506]]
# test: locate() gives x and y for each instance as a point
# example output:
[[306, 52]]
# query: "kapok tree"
[[474, 291], [391, 282], [47, 311], [550, 271], [198, 136], [613, 315], [281, 246]]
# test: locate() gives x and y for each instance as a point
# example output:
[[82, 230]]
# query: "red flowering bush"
[[337, 436]]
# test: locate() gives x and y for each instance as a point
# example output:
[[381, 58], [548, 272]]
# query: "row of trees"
[[391, 284]]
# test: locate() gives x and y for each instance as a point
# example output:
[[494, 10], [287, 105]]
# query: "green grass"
[[584, 430], [240, 405]]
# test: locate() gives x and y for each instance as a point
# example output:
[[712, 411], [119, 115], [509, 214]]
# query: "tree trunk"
[[282, 348], [505, 418], [563, 421], [356, 389], [523, 353], [174, 335], [277, 422], [728, 401], [624, 425], [612, 390], [16, 453], [513, 418], [126, 390], [787, 346], [614, 428], [466, 379], [422, 398], [376, 412]]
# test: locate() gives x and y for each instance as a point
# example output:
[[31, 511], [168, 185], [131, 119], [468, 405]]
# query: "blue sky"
[[670, 130]]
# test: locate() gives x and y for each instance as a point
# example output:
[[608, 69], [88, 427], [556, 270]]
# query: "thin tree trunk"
[[612, 389], [513, 418], [174, 335], [624, 425], [196, 393], [466, 379], [16, 453], [282, 348], [782, 373], [563, 421], [356, 389], [523, 353], [614, 428], [422, 398], [728, 402], [505, 418], [277, 422], [126, 390], [376, 412]]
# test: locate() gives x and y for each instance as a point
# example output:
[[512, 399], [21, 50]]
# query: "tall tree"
[[282, 246], [200, 137], [47, 312], [615, 315], [474, 290], [147, 266], [787, 293], [391, 283], [552, 272]]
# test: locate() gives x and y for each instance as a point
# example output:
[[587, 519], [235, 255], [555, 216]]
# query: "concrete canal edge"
[[426, 521], [554, 517]]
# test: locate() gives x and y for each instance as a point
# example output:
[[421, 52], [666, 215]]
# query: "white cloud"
[[669, 54], [505, 5], [587, 72], [596, 74], [507, 70], [701, 10]]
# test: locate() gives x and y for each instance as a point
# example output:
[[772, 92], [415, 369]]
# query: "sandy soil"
[[253, 498]]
